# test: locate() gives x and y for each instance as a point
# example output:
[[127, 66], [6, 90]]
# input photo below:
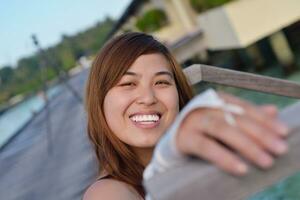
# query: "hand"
[[256, 136]]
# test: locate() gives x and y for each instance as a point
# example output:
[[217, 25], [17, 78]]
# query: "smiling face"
[[144, 103]]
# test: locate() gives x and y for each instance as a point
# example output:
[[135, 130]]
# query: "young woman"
[[136, 90]]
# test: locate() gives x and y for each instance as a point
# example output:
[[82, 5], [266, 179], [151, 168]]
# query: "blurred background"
[[46, 51]]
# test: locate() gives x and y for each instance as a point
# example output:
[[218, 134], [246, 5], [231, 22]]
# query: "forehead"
[[150, 63]]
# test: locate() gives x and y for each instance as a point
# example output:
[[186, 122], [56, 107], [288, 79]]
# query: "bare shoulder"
[[110, 189]]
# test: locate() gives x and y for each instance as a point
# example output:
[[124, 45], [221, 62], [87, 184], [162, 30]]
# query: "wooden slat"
[[197, 179], [199, 72]]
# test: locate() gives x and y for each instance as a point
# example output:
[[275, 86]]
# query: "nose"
[[146, 96]]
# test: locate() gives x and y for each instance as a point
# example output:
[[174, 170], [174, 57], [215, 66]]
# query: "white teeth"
[[145, 118]]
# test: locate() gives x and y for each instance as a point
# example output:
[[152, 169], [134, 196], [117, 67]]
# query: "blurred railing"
[[197, 73]]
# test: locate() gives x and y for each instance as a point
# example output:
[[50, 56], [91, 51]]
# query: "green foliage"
[[27, 67], [6, 73], [26, 77], [152, 20], [203, 5]]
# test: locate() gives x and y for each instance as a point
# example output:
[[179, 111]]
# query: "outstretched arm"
[[220, 128]]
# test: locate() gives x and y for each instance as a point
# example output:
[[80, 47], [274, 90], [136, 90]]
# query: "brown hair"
[[115, 157]]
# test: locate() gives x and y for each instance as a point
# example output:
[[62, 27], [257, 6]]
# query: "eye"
[[162, 82], [127, 84]]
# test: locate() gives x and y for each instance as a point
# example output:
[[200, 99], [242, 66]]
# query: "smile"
[[145, 120]]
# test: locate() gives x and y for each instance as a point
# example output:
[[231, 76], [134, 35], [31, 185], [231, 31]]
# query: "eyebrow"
[[156, 74], [164, 73]]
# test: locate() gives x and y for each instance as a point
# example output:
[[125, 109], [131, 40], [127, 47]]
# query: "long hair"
[[115, 157]]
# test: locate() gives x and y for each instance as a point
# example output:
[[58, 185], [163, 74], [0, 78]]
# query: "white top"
[[166, 154]]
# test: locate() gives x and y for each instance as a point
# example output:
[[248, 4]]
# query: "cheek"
[[171, 100], [115, 105]]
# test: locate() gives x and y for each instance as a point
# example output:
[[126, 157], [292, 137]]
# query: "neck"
[[144, 154]]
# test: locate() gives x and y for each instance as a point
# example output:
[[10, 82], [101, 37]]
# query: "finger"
[[240, 143], [208, 149], [262, 136], [270, 110], [278, 127]]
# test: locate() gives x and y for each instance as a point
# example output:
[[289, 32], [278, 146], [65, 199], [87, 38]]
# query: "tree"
[[6, 74], [152, 20]]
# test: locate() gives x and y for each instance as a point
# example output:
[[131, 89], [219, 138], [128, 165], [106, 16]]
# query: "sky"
[[19, 19]]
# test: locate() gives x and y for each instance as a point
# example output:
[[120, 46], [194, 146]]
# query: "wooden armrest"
[[199, 72]]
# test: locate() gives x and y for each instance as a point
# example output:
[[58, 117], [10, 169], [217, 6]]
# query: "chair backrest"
[[197, 179]]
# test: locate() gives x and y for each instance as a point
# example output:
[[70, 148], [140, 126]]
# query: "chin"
[[145, 143]]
